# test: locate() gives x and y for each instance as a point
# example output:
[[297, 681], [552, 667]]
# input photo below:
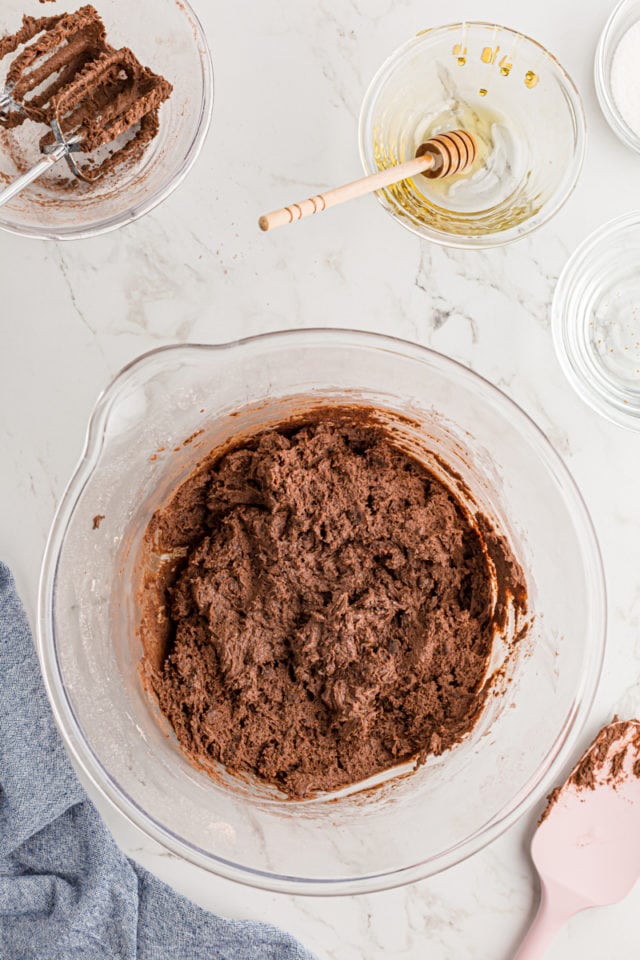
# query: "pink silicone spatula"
[[587, 848]]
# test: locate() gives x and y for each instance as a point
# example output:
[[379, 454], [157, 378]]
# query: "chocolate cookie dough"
[[332, 610], [613, 756]]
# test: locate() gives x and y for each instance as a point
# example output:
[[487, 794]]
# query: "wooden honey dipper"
[[442, 156]]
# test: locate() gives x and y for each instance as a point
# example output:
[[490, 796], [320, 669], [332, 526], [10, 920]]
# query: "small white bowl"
[[623, 17]]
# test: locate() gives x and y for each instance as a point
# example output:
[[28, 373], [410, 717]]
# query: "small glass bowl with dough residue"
[[596, 320], [158, 419], [504, 88], [166, 36]]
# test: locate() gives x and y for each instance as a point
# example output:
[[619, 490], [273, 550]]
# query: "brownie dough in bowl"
[[330, 609]]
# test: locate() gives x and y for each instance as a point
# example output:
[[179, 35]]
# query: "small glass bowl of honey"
[[517, 100]]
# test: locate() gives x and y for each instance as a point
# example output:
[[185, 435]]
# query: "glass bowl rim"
[[572, 173], [105, 225], [562, 323], [87, 761], [602, 60]]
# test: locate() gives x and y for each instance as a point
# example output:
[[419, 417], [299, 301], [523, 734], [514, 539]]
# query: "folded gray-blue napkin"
[[66, 890]]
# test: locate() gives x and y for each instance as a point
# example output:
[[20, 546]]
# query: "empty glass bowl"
[[166, 36], [89, 612], [513, 95], [596, 320], [623, 17]]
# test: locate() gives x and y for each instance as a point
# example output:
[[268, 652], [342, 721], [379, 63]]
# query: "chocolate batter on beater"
[[54, 50], [331, 613], [68, 76]]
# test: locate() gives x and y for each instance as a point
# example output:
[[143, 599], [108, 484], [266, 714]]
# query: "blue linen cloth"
[[66, 890]]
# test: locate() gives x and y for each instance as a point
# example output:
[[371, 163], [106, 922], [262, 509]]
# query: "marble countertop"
[[289, 81]]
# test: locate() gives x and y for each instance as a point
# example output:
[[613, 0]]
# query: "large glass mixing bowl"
[[166, 36], [411, 826]]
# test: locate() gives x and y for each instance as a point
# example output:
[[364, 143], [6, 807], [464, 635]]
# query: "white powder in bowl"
[[625, 78]]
